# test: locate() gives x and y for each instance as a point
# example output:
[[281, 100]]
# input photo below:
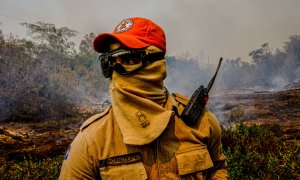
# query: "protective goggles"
[[126, 62]]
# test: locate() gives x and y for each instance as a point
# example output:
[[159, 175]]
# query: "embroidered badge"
[[142, 118], [66, 156], [125, 25], [121, 160]]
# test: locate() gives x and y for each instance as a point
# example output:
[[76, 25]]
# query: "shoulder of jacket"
[[213, 120], [94, 118], [207, 115], [180, 98], [181, 102]]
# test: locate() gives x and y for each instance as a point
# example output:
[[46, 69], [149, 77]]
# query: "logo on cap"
[[125, 25]]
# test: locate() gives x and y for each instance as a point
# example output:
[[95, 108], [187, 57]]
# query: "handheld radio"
[[195, 107]]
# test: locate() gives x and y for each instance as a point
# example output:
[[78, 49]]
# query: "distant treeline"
[[267, 70], [44, 77]]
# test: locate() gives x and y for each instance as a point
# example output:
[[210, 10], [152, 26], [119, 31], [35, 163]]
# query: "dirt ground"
[[53, 137]]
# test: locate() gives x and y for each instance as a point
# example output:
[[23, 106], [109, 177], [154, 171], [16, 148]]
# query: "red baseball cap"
[[135, 33]]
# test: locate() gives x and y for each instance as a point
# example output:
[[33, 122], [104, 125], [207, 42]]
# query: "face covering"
[[138, 103]]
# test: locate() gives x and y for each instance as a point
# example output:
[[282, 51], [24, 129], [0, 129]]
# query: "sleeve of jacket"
[[219, 170], [78, 163]]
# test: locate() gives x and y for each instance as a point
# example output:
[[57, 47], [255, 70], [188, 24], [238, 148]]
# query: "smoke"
[[221, 28], [267, 72], [186, 74], [279, 82]]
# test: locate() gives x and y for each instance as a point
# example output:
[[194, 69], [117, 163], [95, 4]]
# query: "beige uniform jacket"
[[180, 152]]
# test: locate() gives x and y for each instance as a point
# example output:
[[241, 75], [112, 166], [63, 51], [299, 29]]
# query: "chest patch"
[[121, 160]]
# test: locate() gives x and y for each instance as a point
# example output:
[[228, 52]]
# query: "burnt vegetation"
[[45, 78]]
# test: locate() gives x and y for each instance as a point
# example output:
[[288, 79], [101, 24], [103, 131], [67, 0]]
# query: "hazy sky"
[[228, 28]]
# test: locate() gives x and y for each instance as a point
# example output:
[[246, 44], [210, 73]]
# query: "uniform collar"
[[171, 104]]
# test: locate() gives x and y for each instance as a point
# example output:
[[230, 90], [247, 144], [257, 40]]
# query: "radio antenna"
[[211, 82]]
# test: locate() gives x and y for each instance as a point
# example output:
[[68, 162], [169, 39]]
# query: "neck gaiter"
[[138, 101]]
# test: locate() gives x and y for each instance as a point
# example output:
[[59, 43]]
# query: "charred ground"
[[261, 107]]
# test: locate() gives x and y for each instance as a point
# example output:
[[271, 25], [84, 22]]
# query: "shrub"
[[257, 152], [32, 168]]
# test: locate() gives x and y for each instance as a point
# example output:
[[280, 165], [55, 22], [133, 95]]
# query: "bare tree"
[[56, 38]]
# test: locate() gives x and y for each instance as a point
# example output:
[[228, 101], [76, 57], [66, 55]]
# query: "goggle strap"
[[154, 56]]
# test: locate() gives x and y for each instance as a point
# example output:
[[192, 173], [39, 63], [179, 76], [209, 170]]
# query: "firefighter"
[[141, 135]]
